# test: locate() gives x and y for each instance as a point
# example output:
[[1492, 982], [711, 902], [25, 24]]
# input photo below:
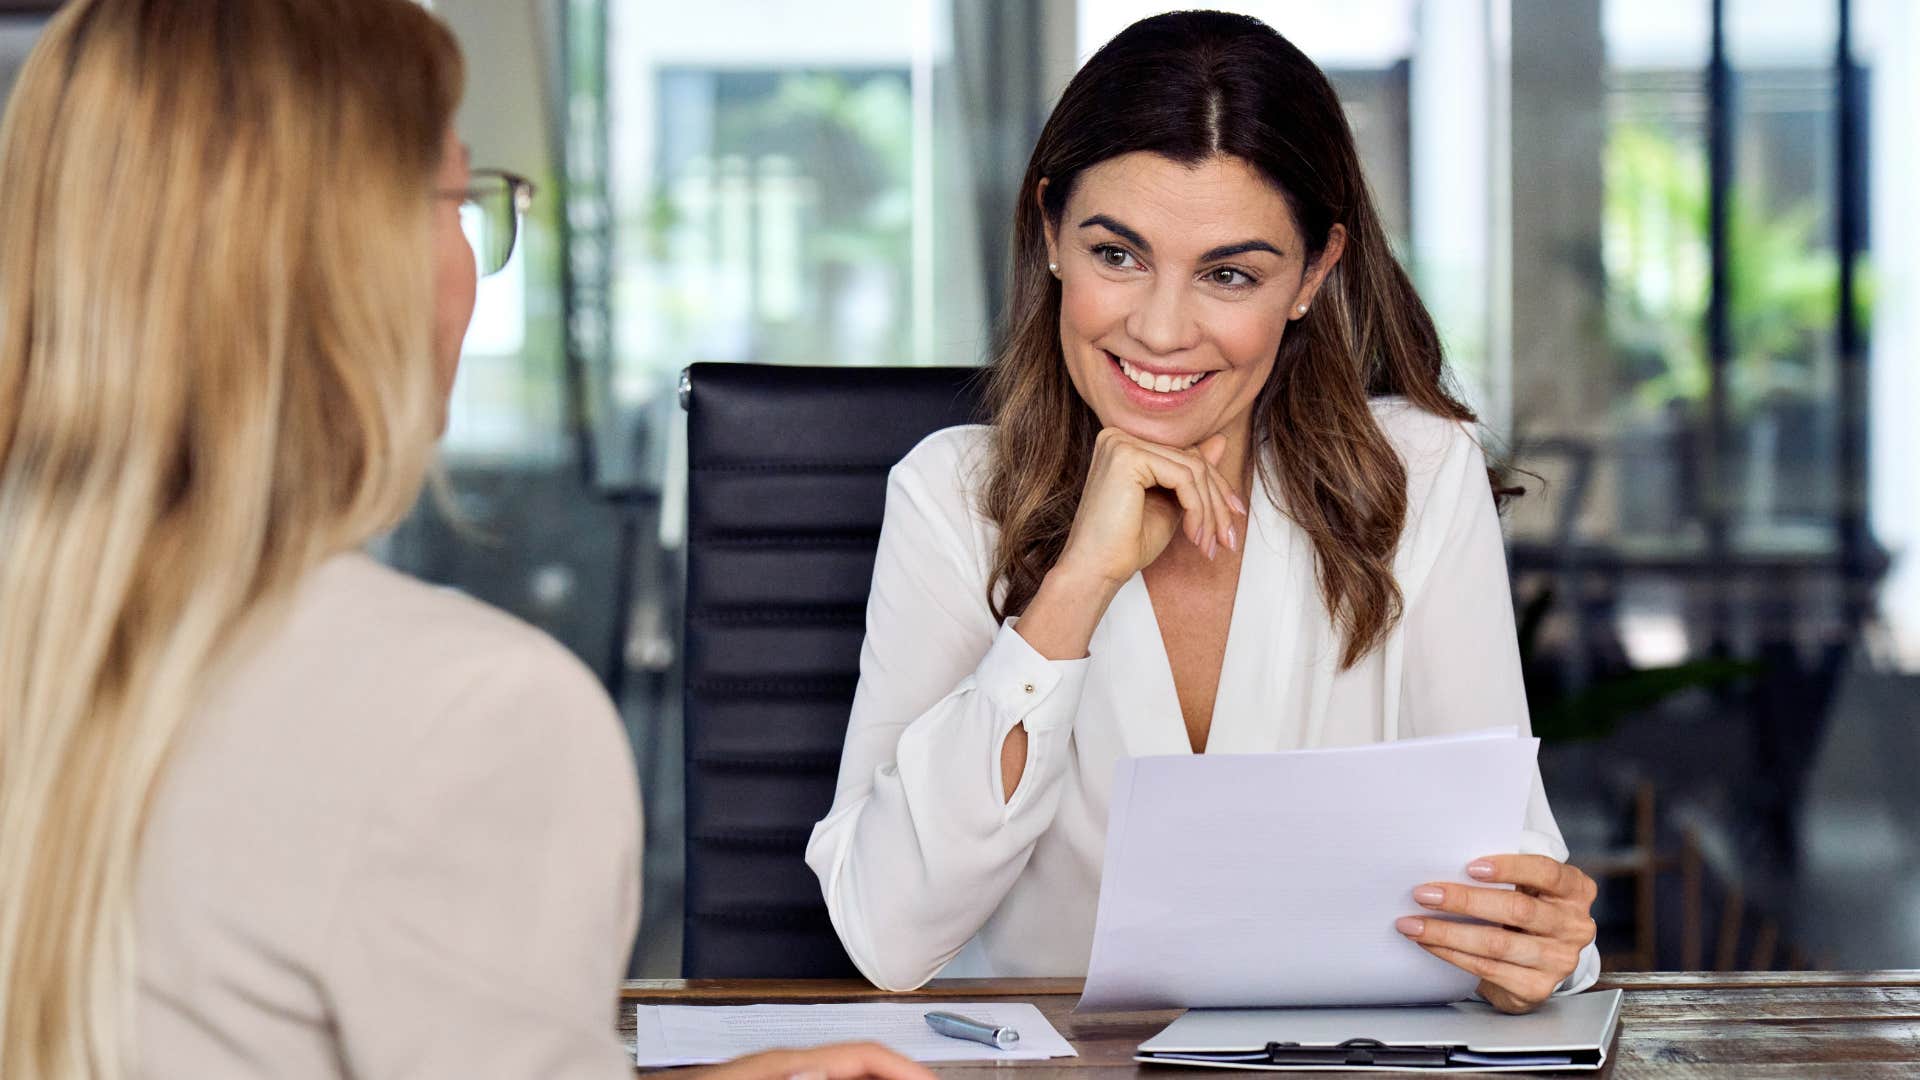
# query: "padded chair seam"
[[779, 616], [750, 684], [787, 919], [770, 839], [793, 540], [767, 762], [792, 467]]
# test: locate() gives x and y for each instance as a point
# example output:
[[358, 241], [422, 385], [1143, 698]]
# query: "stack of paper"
[[704, 1035], [1275, 879]]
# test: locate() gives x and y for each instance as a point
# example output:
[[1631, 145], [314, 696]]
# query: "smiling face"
[[1176, 286]]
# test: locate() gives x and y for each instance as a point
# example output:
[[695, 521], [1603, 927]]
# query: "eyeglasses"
[[490, 212]]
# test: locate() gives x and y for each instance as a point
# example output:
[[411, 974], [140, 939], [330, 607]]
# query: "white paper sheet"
[[1261, 880], [703, 1035]]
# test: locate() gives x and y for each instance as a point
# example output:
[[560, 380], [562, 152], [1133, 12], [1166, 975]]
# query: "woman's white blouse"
[[921, 860]]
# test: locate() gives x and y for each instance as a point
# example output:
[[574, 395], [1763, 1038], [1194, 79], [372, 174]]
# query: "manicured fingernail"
[[1411, 925], [1213, 547], [1480, 868], [1237, 504], [1430, 895], [809, 1074], [1232, 540]]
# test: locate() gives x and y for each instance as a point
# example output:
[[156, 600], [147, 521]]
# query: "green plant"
[[1782, 279]]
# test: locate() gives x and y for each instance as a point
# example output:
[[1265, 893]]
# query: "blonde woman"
[[267, 808]]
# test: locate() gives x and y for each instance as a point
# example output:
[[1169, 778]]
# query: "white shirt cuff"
[[1043, 694]]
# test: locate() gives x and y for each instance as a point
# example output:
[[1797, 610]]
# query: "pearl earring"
[[1053, 268], [1302, 309]]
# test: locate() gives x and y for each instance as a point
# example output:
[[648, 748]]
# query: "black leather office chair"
[[787, 484]]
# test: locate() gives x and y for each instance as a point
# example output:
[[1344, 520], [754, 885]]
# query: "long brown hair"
[[1190, 86], [216, 369]]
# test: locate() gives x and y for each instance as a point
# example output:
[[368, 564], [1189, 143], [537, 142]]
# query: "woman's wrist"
[[1060, 620]]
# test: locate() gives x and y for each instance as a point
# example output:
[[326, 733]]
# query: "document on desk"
[[666, 1035], [1266, 880]]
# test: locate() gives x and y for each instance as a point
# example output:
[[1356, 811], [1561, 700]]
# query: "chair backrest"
[[787, 472]]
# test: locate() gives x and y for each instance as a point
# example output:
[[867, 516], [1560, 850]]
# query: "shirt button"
[[1028, 688]]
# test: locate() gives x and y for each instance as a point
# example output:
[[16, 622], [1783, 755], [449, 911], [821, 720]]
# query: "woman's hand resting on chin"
[[1138, 494]]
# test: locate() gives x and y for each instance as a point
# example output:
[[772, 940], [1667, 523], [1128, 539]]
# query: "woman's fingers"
[[1540, 926], [1234, 506], [845, 1061], [1525, 987], [853, 1061], [1208, 505], [1545, 876], [1213, 450], [1546, 954], [1219, 527], [1505, 907], [1542, 936], [1226, 504], [1186, 474], [1189, 486], [1118, 453]]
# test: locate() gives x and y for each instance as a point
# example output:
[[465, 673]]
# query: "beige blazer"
[[400, 839]]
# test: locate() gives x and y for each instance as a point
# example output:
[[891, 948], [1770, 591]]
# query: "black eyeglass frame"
[[520, 192]]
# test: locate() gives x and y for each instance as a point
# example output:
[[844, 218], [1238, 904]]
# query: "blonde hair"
[[216, 288]]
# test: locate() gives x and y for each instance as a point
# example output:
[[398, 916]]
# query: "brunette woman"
[[1227, 503]]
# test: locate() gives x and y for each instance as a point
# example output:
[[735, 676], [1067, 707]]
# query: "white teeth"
[[1160, 384]]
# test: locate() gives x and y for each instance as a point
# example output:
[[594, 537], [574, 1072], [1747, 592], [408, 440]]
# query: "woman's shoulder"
[[950, 456], [448, 678], [397, 692], [416, 654], [382, 749], [371, 699], [1418, 434], [1436, 450], [947, 470], [935, 491], [425, 622]]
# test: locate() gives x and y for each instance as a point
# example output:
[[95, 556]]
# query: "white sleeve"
[[1462, 660], [919, 847], [485, 925]]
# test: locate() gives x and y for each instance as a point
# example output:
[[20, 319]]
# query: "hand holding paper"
[[1535, 934], [1275, 879]]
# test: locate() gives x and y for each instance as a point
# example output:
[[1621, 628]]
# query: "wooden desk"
[[1831, 1025]]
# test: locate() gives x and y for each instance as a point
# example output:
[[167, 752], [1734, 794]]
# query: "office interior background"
[[1673, 247]]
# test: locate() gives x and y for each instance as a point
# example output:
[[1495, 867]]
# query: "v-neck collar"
[[1254, 668]]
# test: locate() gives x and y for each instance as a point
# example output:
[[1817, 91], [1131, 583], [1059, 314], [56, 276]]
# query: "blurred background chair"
[[787, 485]]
